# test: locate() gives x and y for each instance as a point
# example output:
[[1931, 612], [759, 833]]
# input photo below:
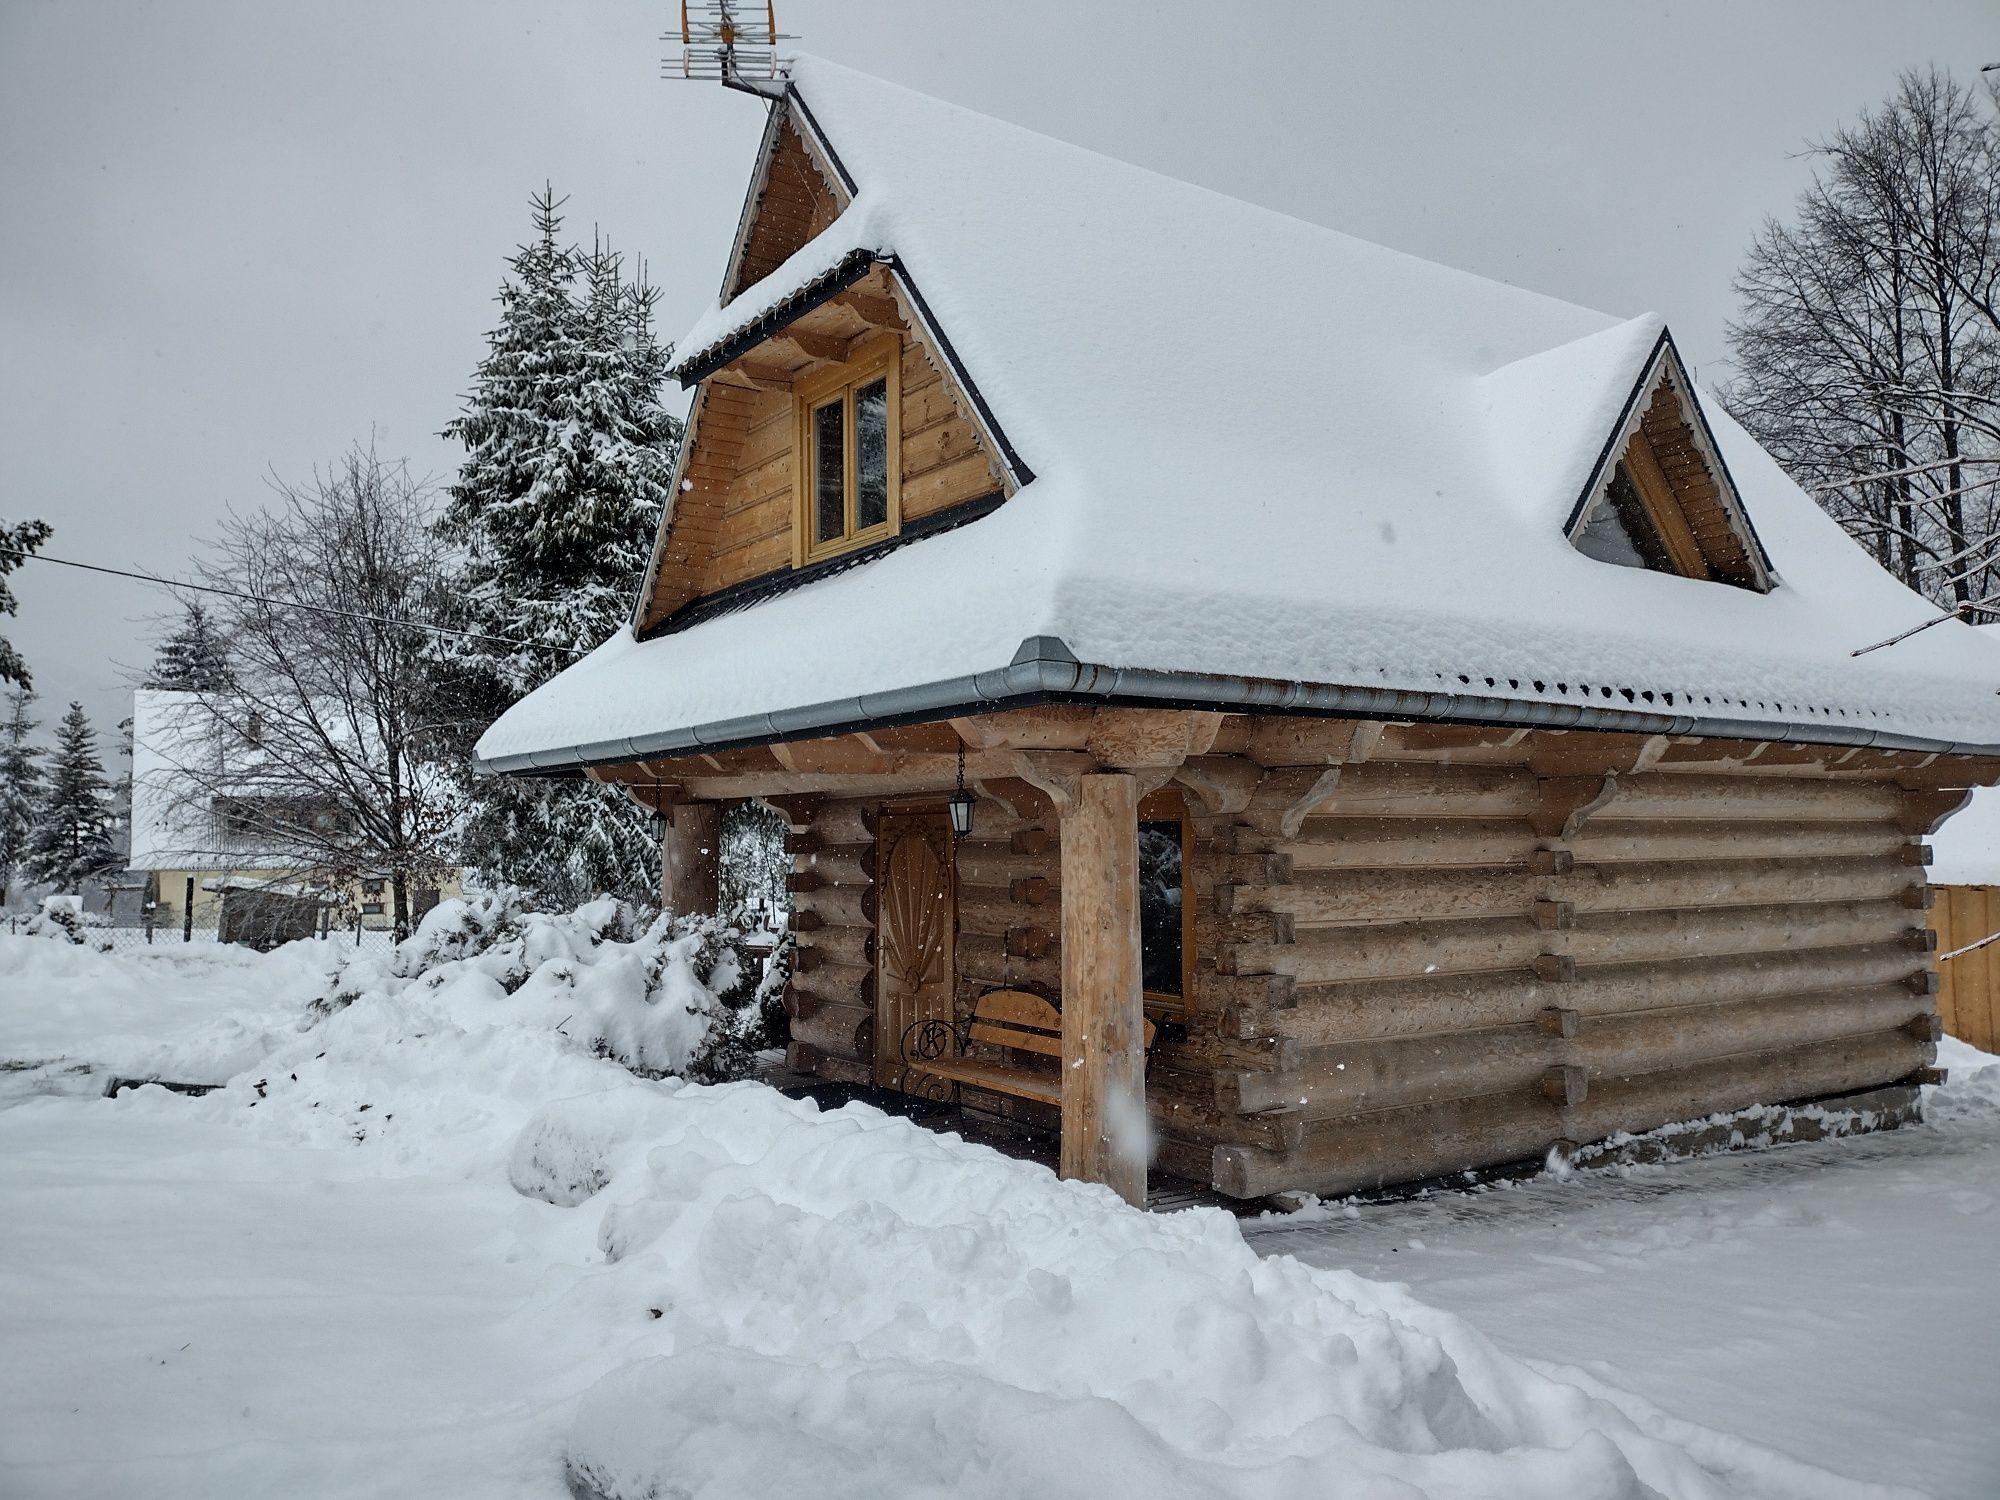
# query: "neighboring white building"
[[195, 839]]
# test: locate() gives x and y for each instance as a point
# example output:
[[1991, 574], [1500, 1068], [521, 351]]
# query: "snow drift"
[[844, 1304], [783, 1301]]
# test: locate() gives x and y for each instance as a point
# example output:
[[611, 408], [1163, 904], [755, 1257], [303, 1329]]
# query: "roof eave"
[[1044, 671]]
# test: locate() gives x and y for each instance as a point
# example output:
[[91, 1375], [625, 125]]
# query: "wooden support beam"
[[877, 312], [1103, 1004], [691, 858], [812, 345]]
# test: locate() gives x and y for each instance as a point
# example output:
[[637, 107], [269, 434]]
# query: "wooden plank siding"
[[1969, 985], [733, 522]]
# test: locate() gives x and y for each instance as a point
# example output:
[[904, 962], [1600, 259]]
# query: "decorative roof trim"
[[816, 293], [1664, 363]]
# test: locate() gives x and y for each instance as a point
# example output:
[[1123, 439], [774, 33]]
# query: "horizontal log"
[[984, 958], [836, 984], [990, 909], [1402, 1145], [1322, 954], [1330, 843], [835, 945], [844, 822], [993, 862], [838, 864], [1330, 1082], [1610, 837], [1324, 897], [1652, 885], [1634, 937], [837, 1030], [1646, 1042], [1322, 1015], [1351, 1078], [1385, 790], [838, 905], [1696, 795], [1198, 1122]]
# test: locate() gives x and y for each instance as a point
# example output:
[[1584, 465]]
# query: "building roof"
[[1272, 465]]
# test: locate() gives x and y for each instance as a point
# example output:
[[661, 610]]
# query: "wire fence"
[[125, 937]]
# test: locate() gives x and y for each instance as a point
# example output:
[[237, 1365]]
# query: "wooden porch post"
[[691, 858], [1103, 1000]]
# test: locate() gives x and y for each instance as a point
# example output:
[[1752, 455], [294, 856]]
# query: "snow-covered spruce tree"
[[17, 543], [194, 659], [71, 839], [568, 459], [20, 787]]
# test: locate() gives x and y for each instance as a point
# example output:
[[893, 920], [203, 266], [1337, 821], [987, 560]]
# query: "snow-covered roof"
[[175, 752], [1261, 449]]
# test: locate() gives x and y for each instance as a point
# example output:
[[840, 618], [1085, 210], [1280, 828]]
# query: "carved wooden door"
[[913, 949]]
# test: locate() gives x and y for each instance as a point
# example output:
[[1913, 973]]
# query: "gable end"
[[1660, 496]]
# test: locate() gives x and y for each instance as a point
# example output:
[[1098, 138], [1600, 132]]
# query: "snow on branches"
[[569, 456]]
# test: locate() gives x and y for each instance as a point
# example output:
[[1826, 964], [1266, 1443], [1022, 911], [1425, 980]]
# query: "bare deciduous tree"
[[1868, 349], [321, 750]]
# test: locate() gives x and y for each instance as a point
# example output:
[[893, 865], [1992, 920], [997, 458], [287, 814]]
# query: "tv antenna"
[[726, 41]]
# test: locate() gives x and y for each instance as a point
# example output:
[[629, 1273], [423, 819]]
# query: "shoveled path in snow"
[[1838, 1301]]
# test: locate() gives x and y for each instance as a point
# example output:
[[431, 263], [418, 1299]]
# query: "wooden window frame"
[[879, 357], [1169, 805]]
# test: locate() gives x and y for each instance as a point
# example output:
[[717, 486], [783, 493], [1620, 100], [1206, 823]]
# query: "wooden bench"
[[1013, 1019]]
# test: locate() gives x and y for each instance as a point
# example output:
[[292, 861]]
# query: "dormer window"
[[848, 424]]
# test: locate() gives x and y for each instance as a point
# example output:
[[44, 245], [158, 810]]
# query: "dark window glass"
[[871, 455], [1160, 906], [829, 472]]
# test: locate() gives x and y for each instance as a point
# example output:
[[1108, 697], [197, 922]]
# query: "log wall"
[[831, 993], [1460, 962], [1422, 951]]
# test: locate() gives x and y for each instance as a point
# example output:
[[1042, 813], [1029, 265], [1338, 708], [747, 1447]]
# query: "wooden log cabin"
[[1271, 709]]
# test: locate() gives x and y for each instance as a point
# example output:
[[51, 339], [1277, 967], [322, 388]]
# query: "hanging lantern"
[[960, 805]]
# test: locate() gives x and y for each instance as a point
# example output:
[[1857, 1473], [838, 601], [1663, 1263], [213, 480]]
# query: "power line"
[[321, 609]]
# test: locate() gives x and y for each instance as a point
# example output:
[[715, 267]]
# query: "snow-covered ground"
[[432, 1246]]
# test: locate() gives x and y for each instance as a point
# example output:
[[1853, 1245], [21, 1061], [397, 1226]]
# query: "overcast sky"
[[237, 238]]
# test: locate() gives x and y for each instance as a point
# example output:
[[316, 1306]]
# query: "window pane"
[[1160, 906], [871, 458], [829, 472]]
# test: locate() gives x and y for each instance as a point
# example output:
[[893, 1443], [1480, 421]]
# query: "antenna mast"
[[720, 45]]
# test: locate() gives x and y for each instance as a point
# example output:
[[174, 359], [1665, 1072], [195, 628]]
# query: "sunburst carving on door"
[[916, 925], [913, 942]]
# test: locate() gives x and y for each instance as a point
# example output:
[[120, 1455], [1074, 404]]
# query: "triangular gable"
[[797, 191], [728, 536], [1660, 496]]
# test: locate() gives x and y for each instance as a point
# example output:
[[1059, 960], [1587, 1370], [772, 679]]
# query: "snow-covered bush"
[[666, 995], [61, 918]]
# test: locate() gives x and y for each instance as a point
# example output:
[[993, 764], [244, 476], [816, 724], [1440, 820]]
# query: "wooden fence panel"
[[1969, 985]]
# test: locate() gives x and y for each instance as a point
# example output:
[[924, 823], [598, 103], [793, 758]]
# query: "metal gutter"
[[1044, 671]]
